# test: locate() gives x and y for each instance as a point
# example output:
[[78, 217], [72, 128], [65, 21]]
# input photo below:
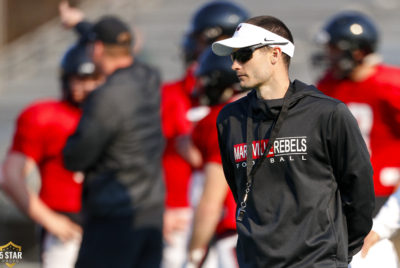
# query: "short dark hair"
[[276, 26]]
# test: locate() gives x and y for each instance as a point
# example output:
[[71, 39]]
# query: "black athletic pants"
[[115, 243]]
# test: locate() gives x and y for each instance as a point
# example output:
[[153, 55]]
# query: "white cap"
[[248, 35]]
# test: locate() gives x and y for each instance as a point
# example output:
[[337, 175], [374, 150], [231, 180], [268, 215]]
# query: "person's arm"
[[209, 210], [386, 222], [99, 122], [15, 169], [353, 172], [72, 17], [188, 151]]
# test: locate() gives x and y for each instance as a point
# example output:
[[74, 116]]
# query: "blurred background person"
[[370, 89], [176, 101], [214, 224], [180, 111], [357, 76], [40, 135], [118, 145]]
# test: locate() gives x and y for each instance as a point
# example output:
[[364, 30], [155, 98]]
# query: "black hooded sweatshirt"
[[311, 200]]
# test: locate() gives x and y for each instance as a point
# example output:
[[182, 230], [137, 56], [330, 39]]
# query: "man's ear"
[[276, 54]]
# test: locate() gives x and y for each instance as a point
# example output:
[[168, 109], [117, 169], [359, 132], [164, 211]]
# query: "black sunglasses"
[[245, 54]]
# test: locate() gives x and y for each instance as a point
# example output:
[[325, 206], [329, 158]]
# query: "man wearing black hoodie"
[[118, 145], [294, 159]]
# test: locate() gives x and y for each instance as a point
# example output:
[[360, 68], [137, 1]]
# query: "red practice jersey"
[[205, 137], [175, 103], [375, 103], [41, 133]]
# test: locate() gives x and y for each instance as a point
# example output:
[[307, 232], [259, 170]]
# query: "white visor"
[[249, 35]]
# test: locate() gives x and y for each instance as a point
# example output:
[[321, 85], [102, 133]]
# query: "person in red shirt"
[[214, 217], [371, 90], [180, 111], [40, 135], [176, 101]]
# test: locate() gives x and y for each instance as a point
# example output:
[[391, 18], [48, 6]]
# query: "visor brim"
[[225, 47]]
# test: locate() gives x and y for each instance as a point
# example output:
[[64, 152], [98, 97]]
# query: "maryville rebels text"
[[282, 150]]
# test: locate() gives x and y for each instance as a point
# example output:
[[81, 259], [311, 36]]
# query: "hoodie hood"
[[269, 109]]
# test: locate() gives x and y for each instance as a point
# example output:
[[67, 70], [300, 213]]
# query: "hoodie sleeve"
[[226, 163], [353, 172], [98, 124]]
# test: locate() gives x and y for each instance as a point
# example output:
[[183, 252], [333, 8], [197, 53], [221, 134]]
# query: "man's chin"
[[245, 86]]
